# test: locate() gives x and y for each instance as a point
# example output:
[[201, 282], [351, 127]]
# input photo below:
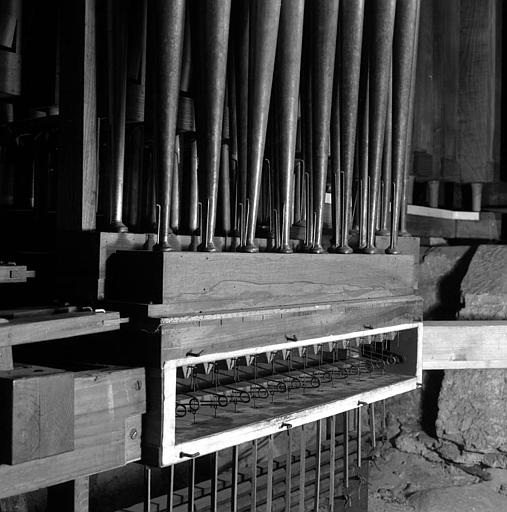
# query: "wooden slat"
[[467, 344], [231, 281], [72, 496], [52, 327]]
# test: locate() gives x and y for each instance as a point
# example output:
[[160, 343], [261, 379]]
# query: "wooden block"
[[109, 402], [195, 282], [6, 358], [467, 344], [37, 407]]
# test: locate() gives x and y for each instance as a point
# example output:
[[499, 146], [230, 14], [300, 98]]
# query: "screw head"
[[133, 433]]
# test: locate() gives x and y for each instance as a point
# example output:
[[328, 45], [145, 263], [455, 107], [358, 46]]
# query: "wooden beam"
[[231, 281], [77, 187], [467, 344]]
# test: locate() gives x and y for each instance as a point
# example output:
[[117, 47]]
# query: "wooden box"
[[36, 413], [191, 282]]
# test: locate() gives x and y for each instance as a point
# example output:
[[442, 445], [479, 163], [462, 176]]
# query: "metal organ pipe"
[[325, 24], [264, 18], [403, 48], [214, 18], [168, 20], [380, 65], [290, 39]]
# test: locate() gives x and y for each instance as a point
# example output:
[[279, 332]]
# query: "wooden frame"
[[172, 449]]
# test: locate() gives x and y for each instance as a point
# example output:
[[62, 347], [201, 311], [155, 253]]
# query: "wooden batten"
[[183, 283]]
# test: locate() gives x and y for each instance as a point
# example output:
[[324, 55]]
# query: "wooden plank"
[[109, 403], [467, 344], [231, 281], [77, 181], [57, 326], [207, 334], [440, 213]]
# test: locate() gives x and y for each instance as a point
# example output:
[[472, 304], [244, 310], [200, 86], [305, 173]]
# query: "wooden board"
[[32, 329], [221, 333], [108, 404], [195, 282], [466, 344], [440, 213]]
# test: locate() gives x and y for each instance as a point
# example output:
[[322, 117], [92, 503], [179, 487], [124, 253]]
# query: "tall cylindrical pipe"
[[264, 18], [403, 48], [167, 28], [325, 25], [351, 21], [214, 17], [380, 65], [288, 67]]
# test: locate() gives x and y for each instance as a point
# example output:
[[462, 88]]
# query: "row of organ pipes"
[[254, 110]]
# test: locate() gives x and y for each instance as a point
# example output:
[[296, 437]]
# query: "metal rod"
[[318, 456], [325, 26], [380, 65], [332, 461], [264, 18], [372, 426], [288, 471], [346, 451], [170, 491], [214, 26], [288, 67], [167, 27], [351, 19], [147, 489], [191, 484], [214, 482], [253, 498], [269, 487], [194, 189], [176, 187], [302, 469], [403, 48], [234, 482], [363, 162]]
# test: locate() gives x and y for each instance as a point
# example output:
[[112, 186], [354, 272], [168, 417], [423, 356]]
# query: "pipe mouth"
[[392, 250], [383, 232], [208, 247], [164, 247], [317, 249], [117, 226], [285, 249], [404, 233], [250, 247], [370, 249], [344, 249]]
